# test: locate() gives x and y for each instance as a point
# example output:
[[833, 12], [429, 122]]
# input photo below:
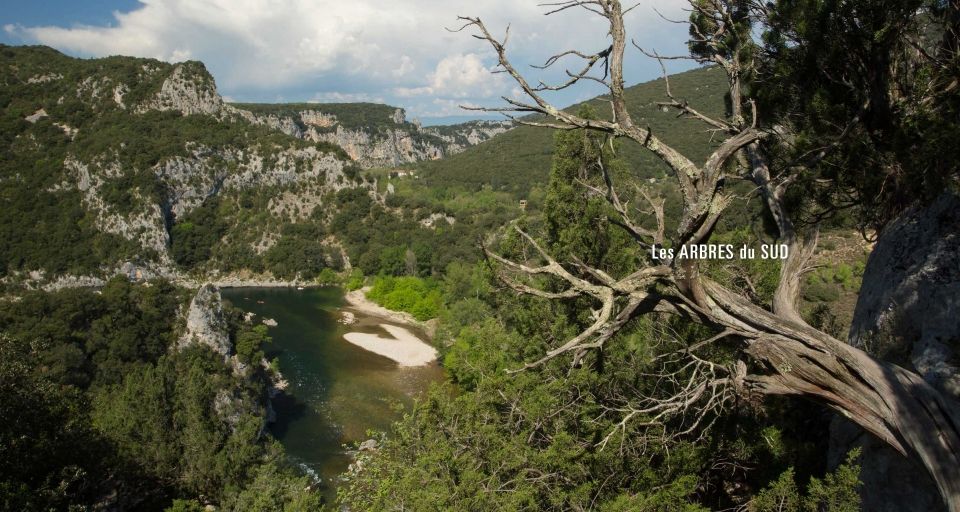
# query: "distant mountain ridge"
[[372, 134]]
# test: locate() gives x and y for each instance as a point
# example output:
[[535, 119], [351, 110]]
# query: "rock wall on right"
[[908, 312]]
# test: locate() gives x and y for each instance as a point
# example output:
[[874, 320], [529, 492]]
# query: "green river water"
[[338, 391]]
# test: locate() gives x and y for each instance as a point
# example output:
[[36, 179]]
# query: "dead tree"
[[781, 353]]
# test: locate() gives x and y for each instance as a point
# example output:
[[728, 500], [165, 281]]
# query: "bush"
[[837, 492], [249, 343], [356, 280], [419, 297], [328, 277]]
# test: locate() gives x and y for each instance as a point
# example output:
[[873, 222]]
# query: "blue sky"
[[395, 52], [63, 13]]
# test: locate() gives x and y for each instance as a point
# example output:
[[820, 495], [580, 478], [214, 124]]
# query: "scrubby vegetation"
[[120, 150], [419, 297], [518, 160], [670, 396], [98, 409]]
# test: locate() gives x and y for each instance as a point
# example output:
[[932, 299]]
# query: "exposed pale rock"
[[187, 91], [402, 143], [67, 129], [93, 87], [907, 313], [206, 324], [317, 119], [64, 282], [146, 225], [118, 93], [431, 221], [910, 299], [42, 79], [36, 116]]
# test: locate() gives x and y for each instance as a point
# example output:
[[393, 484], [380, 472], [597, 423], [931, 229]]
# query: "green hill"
[[519, 159], [118, 161]]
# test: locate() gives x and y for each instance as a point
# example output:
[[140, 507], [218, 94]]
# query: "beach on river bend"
[[396, 343]]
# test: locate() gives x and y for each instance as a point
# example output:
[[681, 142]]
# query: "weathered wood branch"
[[786, 355]]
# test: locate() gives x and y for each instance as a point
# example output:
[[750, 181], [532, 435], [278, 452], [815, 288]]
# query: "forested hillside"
[[598, 370], [517, 161], [138, 167], [109, 401]]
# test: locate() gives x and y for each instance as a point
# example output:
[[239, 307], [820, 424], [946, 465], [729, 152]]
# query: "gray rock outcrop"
[[189, 90], [907, 313], [398, 143], [206, 324], [909, 303]]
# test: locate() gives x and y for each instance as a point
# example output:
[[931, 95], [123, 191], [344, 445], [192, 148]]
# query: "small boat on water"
[[299, 287]]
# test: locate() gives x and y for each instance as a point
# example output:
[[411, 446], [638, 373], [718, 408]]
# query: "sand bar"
[[402, 346], [359, 301]]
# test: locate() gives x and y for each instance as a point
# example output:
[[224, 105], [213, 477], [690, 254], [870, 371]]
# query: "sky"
[[397, 52]]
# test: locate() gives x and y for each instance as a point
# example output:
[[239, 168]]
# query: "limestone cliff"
[[188, 89], [388, 140], [206, 324], [132, 147], [158, 176], [381, 138]]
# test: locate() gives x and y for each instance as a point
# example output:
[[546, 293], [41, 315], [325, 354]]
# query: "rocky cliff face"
[[387, 142], [907, 313], [145, 225], [391, 142], [206, 324], [909, 304], [189, 89], [133, 148], [302, 175], [136, 145]]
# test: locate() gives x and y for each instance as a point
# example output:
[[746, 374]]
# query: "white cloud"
[[392, 50], [458, 76], [405, 67], [345, 97]]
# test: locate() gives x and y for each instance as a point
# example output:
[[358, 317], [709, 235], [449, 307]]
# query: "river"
[[338, 391]]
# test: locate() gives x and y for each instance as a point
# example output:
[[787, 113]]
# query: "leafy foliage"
[[885, 109], [837, 492], [99, 408], [419, 297], [47, 223]]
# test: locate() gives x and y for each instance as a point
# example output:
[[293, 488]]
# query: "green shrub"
[[420, 297], [249, 343], [328, 276], [837, 492], [355, 281]]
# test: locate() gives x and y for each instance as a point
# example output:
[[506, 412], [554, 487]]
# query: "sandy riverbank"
[[402, 346]]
